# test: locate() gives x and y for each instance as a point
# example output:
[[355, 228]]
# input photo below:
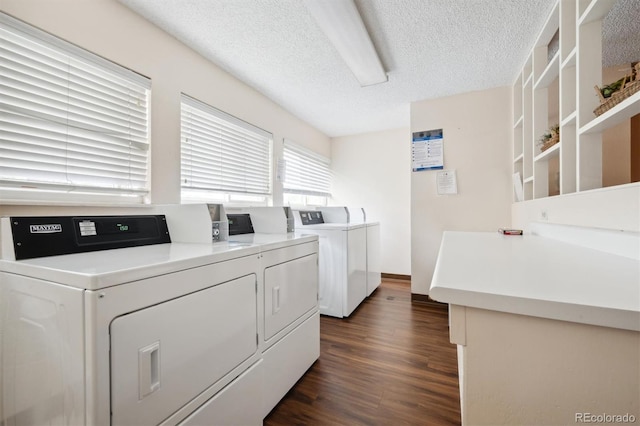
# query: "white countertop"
[[538, 276], [100, 269]]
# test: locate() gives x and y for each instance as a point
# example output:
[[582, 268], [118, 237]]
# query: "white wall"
[[111, 30], [477, 144], [617, 207], [372, 170]]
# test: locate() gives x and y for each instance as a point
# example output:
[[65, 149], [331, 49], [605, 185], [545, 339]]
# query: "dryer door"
[[165, 355], [290, 290]]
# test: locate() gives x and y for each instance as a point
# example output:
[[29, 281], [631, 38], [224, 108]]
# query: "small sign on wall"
[[427, 150], [447, 182]]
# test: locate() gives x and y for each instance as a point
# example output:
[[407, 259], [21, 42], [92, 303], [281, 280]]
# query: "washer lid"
[[332, 226], [100, 269], [272, 241]]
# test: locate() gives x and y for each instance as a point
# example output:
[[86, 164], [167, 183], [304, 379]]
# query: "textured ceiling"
[[621, 34], [430, 48]]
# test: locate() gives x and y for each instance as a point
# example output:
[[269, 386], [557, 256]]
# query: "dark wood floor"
[[389, 363]]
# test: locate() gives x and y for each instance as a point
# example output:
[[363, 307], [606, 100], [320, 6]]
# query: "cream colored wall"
[[111, 30], [616, 155], [635, 148], [372, 170], [477, 144], [616, 207]]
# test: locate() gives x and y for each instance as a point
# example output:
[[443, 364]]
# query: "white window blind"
[[69, 120], [222, 153], [306, 172]]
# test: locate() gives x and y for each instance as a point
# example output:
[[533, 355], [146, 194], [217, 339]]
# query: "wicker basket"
[[550, 142], [629, 87]]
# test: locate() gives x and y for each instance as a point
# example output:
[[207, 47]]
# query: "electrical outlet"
[[544, 216]]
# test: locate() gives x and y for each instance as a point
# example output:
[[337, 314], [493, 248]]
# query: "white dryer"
[[343, 262], [288, 290], [98, 333]]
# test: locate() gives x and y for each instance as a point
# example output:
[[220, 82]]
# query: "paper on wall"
[[447, 182]]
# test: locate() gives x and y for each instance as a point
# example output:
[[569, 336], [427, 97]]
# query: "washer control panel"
[[240, 224], [40, 236]]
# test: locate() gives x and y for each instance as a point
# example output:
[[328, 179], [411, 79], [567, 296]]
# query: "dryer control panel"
[[40, 236], [311, 217]]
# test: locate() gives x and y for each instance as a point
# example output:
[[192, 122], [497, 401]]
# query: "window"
[[222, 156], [70, 121], [307, 177]]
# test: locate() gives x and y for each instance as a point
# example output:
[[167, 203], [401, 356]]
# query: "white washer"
[[343, 262], [374, 270], [157, 334]]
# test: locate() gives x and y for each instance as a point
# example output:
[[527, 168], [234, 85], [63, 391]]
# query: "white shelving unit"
[[556, 87]]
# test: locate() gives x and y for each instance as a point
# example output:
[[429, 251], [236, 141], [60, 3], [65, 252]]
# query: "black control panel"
[[55, 235], [311, 217], [240, 224]]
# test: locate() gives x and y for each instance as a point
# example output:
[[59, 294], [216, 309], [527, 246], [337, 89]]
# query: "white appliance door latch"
[[148, 369], [276, 299]]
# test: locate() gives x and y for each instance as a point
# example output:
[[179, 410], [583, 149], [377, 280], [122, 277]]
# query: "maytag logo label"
[[45, 229]]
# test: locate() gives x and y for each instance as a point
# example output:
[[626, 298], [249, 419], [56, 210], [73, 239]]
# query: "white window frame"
[[307, 176], [74, 127], [299, 200], [223, 158]]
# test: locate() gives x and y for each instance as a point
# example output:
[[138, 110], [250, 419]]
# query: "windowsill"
[[67, 199], [53, 203]]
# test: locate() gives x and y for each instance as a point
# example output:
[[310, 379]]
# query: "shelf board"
[[550, 27], [570, 61], [519, 158], [623, 111], [552, 152], [528, 180], [596, 10], [570, 119], [527, 68], [519, 122], [550, 73]]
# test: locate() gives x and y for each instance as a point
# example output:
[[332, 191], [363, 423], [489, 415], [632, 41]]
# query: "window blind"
[[306, 172], [69, 120], [222, 153]]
